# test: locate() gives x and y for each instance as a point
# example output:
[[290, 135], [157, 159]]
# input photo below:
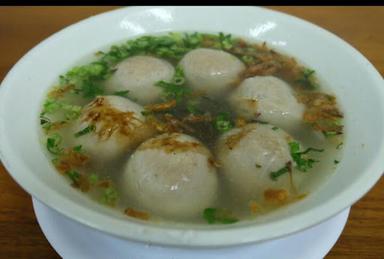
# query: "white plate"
[[74, 240]]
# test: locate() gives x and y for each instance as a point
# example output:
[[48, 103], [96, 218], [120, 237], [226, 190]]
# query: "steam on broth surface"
[[192, 127]]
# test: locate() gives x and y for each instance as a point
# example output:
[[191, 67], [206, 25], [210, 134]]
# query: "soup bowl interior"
[[357, 85]]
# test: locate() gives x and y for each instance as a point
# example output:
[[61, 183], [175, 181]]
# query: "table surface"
[[21, 28]]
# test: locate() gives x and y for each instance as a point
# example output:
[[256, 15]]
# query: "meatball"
[[139, 75], [268, 99], [171, 175], [211, 71], [248, 155], [109, 127]]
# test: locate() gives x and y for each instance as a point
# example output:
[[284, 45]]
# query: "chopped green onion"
[[178, 77], [193, 40], [71, 111], [336, 161], [55, 160], [87, 79], [329, 134], [44, 120], [109, 196], [302, 163], [226, 41], [99, 53], [312, 149], [173, 91], [219, 215], [223, 122], [53, 144], [307, 79], [175, 88], [78, 148], [146, 113], [52, 106], [339, 145], [74, 176], [123, 93], [286, 169], [193, 108], [85, 131], [248, 59], [93, 179]]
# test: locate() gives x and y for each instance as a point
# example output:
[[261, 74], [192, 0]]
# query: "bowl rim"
[[199, 237]]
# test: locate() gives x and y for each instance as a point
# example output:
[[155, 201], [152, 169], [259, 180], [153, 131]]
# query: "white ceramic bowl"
[[357, 84]]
